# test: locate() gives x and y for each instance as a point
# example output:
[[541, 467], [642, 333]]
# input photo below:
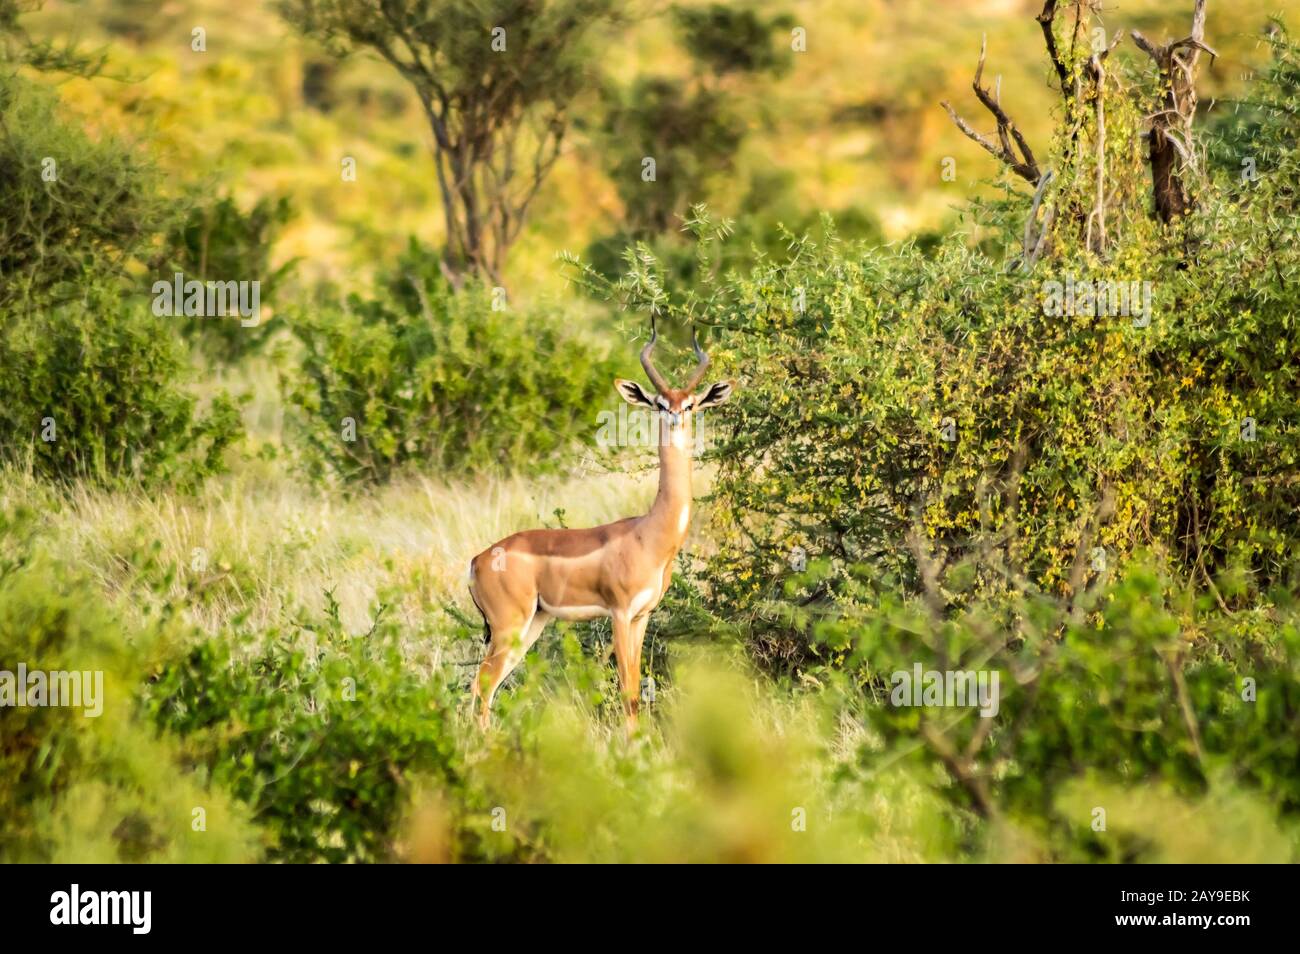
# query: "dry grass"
[[265, 548]]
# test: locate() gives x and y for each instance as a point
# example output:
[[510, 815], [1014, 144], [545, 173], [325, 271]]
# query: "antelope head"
[[675, 405]]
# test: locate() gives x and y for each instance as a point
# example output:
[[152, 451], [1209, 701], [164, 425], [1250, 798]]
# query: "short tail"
[[487, 627]]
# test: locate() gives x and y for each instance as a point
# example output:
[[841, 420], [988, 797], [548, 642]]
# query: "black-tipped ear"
[[633, 393], [714, 395]]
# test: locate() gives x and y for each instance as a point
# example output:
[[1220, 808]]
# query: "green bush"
[[440, 379], [323, 737], [1069, 435], [93, 788], [96, 389], [90, 383], [892, 393], [220, 242], [70, 207], [1135, 685]]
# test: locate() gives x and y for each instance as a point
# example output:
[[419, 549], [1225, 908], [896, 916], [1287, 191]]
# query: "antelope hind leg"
[[507, 648]]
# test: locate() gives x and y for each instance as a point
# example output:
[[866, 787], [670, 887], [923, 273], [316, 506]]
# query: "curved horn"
[[698, 374], [651, 371]]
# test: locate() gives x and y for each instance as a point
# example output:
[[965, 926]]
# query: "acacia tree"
[[496, 79]]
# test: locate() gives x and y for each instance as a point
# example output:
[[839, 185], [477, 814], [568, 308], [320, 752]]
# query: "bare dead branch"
[[1046, 20], [960, 769], [1035, 242], [1024, 164]]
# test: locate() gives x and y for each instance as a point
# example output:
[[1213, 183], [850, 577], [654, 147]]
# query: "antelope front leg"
[[627, 660], [638, 627]]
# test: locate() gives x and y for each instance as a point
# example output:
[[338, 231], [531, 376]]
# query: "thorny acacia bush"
[[886, 394], [436, 378]]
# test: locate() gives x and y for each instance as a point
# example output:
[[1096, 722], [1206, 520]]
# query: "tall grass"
[[258, 543]]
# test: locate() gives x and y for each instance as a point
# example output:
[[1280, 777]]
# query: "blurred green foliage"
[[320, 740], [695, 130], [93, 788], [695, 136], [71, 207], [724, 39], [1136, 684], [219, 241]]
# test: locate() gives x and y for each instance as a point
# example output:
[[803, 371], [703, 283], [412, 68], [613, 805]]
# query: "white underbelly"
[[640, 603], [573, 613]]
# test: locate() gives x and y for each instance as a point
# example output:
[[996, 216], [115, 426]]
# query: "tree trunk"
[[1166, 184]]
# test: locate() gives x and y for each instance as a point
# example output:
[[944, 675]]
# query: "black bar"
[[329, 904]]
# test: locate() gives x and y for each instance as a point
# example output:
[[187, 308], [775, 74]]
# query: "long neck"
[[670, 515]]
